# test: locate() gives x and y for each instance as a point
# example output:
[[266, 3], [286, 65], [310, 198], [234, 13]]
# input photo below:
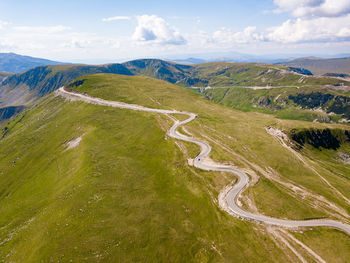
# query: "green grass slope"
[[307, 103], [225, 74], [159, 69], [27, 87], [126, 192]]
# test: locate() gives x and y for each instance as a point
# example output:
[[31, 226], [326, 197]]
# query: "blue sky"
[[106, 31]]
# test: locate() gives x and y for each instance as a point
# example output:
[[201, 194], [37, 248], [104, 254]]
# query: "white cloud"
[[315, 21], [248, 35], [321, 29], [77, 43], [154, 29], [115, 18], [3, 24], [314, 8], [42, 29]]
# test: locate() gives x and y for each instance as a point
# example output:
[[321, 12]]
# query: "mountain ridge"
[[321, 66], [15, 63], [29, 86]]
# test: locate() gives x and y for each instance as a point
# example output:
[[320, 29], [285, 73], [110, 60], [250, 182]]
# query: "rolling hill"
[[14, 63], [321, 66], [159, 69], [114, 187], [26, 88], [322, 104]]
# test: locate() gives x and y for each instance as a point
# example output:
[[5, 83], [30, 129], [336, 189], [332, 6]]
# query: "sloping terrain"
[[311, 103], [224, 74], [8, 112], [28, 87], [159, 69], [321, 66], [125, 191], [4, 76], [35, 83], [14, 63]]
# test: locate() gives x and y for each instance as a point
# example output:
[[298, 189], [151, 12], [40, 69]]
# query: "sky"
[[101, 31]]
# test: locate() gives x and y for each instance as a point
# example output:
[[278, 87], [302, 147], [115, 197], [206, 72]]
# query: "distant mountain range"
[[337, 65], [321, 66], [14, 63]]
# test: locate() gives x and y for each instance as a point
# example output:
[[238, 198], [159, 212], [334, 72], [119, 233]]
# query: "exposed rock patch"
[[73, 143]]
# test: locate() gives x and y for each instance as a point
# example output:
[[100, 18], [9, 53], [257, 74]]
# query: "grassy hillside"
[[43, 80], [224, 74], [307, 103], [27, 87], [126, 192], [35, 83], [159, 69], [321, 66]]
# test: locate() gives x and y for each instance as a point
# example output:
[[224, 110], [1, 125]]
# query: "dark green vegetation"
[[8, 112], [337, 75], [307, 103], [14, 63], [3, 76], [126, 193], [330, 103], [320, 66], [325, 138], [302, 71]]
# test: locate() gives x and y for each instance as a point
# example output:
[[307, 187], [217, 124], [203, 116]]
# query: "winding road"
[[228, 198]]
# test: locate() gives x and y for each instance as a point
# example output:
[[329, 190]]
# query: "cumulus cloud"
[[115, 18], [316, 21], [77, 43], [314, 8], [322, 29], [154, 29], [227, 36]]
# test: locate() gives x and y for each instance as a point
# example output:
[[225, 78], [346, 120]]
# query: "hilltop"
[[159, 69]]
